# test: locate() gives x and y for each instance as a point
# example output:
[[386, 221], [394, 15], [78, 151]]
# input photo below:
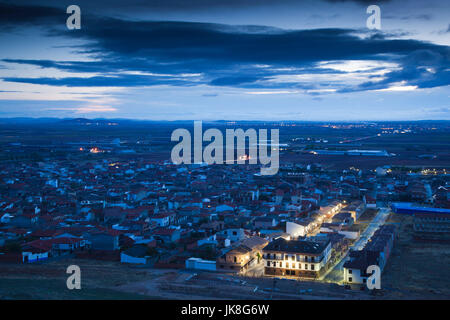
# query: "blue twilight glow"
[[226, 59]]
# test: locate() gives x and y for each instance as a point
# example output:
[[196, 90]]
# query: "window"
[[364, 280], [290, 272], [350, 271], [292, 258], [268, 263], [350, 279], [235, 259], [281, 264], [287, 264], [312, 267], [286, 257], [234, 233], [299, 265], [312, 259], [306, 266], [306, 259]]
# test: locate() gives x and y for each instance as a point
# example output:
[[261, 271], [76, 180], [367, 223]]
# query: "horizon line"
[[221, 120]]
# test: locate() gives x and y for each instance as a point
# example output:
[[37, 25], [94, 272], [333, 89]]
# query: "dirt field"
[[412, 273], [109, 280], [417, 268], [368, 215], [48, 280], [206, 285]]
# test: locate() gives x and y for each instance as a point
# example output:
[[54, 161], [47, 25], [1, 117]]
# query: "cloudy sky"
[[226, 59]]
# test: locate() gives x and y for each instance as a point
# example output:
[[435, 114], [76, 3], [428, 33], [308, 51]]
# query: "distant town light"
[[95, 150]]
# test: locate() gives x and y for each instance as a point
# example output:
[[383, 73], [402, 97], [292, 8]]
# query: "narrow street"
[[336, 273], [379, 220]]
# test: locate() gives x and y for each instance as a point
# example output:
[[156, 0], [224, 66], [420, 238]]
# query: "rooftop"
[[296, 246]]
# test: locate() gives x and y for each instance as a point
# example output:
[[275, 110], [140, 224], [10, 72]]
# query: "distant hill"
[[25, 120], [123, 121], [84, 121]]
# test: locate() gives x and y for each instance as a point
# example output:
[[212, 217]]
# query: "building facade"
[[243, 256], [296, 258]]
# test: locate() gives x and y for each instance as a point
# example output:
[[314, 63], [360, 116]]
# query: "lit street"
[[336, 274]]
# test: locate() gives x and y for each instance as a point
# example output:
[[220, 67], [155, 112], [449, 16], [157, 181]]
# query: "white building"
[[295, 230], [200, 264], [299, 258]]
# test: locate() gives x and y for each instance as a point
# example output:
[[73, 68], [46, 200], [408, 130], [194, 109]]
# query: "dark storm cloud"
[[12, 15], [166, 5], [223, 55], [425, 17], [208, 4], [365, 2], [422, 68], [104, 81]]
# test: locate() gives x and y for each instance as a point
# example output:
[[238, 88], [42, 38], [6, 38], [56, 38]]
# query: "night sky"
[[226, 59]]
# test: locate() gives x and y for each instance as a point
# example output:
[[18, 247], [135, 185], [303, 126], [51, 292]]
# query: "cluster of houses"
[[222, 217], [376, 252]]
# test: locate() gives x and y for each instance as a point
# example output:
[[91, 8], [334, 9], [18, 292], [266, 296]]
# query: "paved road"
[[379, 220], [337, 274]]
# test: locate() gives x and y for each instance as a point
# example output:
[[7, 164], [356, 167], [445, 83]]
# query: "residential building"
[[296, 258]]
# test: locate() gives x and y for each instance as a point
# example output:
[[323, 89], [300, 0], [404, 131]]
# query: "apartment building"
[[375, 252], [297, 258]]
